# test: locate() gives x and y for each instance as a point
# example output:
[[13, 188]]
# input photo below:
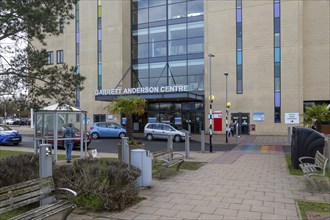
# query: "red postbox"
[[217, 115]]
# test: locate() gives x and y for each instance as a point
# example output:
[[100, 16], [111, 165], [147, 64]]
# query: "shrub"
[[101, 184], [20, 168]]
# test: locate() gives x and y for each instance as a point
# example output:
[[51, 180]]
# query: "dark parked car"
[[9, 136]]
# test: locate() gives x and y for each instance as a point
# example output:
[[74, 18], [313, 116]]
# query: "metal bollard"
[[170, 142], [236, 133], [203, 141], [187, 145], [289, 135], [45, 166], [125, 150]]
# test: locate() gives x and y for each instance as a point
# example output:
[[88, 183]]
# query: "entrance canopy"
[[164, 97], [50, 123]]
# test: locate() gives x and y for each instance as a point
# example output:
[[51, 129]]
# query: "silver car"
[[163, 130]]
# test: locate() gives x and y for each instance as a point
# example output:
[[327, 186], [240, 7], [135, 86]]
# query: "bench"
[[169, 159], [32, 191], [313, 169]]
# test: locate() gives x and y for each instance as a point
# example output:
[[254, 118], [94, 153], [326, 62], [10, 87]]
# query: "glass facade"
[[168, 43], [277, 61], [77, 39], [99, 44], [239, 50]]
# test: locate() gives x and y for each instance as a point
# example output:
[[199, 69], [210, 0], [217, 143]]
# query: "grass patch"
[[292, 170], [158, 169], [312, 206], [299, 172]]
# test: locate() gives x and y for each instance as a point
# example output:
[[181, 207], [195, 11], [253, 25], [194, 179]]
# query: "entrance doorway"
[[243, 120]]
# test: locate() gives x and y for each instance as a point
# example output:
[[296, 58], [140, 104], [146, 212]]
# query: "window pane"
[[156, 2], [238, 3], [277, 84], [196, 29], [239, 43], [277, 99], [157, 14], [196, 83], [196, 45], [139, 4], [175, 1], [157, 34], [177, 31], [158, 69], [239, 29], [277, 10], [177, 80], [158, 81], [277, 27], [277, 40], [239, 72], [140, 16], [140, 82], [177, 11], [239, 15], [140, 36], [196, 67], [140, 51], [157, 49], [177, 68], [239, 86], [140, 70], [277, 70], [195, 8], [178, 47], [239, 58], [277, 55]]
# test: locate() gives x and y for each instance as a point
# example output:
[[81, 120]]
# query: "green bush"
[[101, 184], [20, 168]]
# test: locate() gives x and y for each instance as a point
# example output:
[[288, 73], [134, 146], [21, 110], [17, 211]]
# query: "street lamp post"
[[227, 107], [211, 98]]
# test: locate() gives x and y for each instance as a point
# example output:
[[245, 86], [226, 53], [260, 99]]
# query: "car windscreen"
[[177, 127], [5, 128]]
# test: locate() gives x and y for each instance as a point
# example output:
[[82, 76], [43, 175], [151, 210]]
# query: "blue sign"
[[152, 120], [258, 116]]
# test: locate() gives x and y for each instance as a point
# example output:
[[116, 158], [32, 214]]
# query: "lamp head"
[[211, 55], [228, 104], [226, 73], [211, 98]]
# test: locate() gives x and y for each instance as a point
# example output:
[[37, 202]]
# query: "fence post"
[[289, 135], [170, 142], [125, 150], [203, 141], [187, 145], [45, 166]]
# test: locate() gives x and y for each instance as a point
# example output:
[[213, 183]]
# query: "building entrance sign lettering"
[[142, 90]]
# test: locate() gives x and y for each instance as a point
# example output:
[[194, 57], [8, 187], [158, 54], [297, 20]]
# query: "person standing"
[[69, 133]]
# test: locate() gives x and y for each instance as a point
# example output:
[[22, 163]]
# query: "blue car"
[[107, 129], [9, 136]]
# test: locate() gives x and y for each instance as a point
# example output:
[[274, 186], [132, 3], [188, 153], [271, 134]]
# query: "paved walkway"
[[254, 186]]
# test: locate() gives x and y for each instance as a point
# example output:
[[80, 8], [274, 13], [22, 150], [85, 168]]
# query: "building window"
[[239, 50], [50, 58], [59, 57], [77, 39], [277, 61]]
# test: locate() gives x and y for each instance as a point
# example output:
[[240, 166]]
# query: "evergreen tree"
[[27, 23], [316, 115]]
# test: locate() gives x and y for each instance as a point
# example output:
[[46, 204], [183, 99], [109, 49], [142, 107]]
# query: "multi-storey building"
[[175, 53]]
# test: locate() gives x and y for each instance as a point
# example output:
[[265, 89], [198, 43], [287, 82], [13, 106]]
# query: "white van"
[[163, 130]]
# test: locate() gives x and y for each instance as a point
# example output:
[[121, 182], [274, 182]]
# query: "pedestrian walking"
[[69, 133]]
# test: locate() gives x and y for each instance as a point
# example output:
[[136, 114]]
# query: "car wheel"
[[122, 134], [149, 137], [16, 143], [177, 138], [95, 135]]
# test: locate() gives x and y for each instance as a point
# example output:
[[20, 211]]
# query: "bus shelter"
[[50, 123]]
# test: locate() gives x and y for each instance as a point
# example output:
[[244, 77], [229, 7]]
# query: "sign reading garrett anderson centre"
[[142, 90]]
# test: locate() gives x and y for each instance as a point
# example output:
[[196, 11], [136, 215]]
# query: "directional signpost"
[[292, 118]]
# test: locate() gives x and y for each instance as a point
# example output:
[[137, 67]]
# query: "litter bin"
[[141, 159], [305, 142]]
